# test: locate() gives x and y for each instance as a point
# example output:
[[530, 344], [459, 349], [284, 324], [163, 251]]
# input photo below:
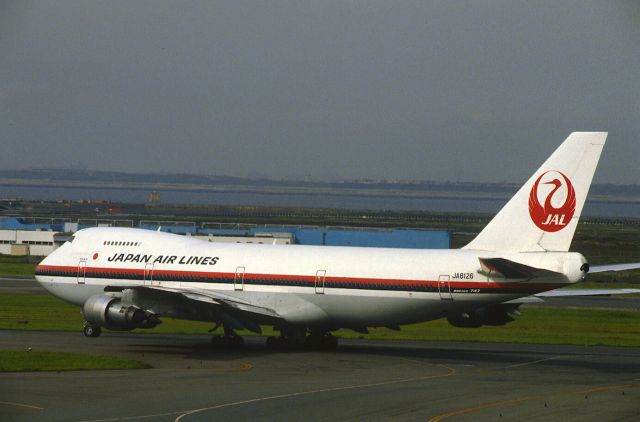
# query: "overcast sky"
[[446, 90]]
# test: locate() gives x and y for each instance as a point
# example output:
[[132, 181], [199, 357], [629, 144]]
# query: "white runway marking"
[[450, 372], [28, 406]]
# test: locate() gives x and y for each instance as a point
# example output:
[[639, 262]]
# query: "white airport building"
[[28, 236], [27, 242]]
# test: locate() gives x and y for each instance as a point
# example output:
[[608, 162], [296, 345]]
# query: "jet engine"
[[494, 315], [112, 313]]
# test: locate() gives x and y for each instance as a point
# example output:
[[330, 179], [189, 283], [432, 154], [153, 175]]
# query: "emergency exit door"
[[148, 275], [238, 279], [82, 271], [319, 284], [444, 288]]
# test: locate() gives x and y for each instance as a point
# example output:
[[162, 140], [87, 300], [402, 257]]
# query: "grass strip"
[[607, 327], [10, 268], [29, 361], [535, 326]]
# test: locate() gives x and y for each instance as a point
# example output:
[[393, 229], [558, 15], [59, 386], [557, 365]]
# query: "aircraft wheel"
[[272, 342], [329, 343], [236, 342], [321, 341], [91, 330], [227, 342]]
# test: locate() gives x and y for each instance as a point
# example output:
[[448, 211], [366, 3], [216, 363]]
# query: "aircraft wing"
[[614, 267], [229, 301], [235, 312]]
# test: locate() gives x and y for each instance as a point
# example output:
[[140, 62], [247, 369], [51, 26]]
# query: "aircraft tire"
[[272, 343], [91, 330], [329, 343], [324, 341], [236, 342], [227, 342]]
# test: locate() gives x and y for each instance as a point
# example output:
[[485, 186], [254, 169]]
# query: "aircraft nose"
[[42, 269]]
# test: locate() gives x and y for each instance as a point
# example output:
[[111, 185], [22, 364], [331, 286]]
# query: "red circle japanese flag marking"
[[95, 256], [558, 201]]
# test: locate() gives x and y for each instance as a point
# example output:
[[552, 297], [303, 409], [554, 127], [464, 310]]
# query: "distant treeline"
[[81, 175]]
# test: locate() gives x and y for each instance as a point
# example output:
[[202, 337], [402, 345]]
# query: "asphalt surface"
[[363, 380], [18, 284]]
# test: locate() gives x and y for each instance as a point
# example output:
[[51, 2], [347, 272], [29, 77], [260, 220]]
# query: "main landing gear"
[[230, 340], [291, 339], [91, 330]]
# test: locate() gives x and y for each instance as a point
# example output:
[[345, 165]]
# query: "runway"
[[363, 380], [20, 284]]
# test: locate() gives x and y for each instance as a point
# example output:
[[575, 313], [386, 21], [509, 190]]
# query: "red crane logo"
[[548, 217]]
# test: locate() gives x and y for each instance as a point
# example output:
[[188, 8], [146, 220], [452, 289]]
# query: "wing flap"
[[240, 305]]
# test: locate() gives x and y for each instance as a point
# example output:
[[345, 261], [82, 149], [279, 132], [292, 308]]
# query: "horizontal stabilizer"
[[539, 297], [614, 267], [586, 292], [529, 300], [500, 267]]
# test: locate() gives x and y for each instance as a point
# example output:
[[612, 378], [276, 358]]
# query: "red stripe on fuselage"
[[311, 279]]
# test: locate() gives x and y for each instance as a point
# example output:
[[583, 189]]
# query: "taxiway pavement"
[[363, 380]]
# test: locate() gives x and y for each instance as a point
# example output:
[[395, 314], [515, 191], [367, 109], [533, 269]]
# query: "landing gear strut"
[[229, 340], [91, 330]]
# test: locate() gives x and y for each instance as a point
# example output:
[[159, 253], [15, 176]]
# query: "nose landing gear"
[[91, 330]]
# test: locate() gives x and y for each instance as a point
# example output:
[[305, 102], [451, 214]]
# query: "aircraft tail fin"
[[543, 214]]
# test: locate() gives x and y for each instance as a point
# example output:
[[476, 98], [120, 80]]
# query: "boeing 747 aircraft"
[[131, 278]]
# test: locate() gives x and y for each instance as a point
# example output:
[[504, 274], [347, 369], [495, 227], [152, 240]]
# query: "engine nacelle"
[[110, 312], [495, 315]]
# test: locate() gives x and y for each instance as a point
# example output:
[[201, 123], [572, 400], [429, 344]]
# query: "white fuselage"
[[306, 285]]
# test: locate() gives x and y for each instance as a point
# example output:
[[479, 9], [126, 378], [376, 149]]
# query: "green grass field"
[[18, 265], [535, 325], [23, 361], [22, 269]]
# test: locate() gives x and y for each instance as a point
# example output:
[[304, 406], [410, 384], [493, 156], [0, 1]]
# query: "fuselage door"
[[238, 279], [444, 288], [148, 275], [82, 270], [319, 285]]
